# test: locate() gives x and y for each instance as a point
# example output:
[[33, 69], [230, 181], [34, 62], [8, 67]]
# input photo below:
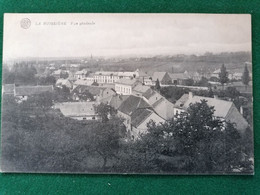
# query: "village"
[[138, 96]]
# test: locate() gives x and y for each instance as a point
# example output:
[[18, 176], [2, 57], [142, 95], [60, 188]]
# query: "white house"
[[125, 86], [81, 74], [225, 110]]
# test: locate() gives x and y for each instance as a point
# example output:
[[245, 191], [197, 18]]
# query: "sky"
[[112, 35]]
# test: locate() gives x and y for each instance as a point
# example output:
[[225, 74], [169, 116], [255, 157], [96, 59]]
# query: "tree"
[[157, 85], [105, 111], [223, 75], [105, 138], [245, 77]]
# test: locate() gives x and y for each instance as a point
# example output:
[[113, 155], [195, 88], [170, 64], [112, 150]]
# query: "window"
[[93, 118], [84, 118]]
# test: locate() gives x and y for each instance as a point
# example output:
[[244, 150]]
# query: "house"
[[129, 106], [147, 81], [64, 82], [114, 100], [125, 86], [225, 110], [140, 89], [23, 92], [105, 77], [8, 89], [81, 74], [95, 91], [160, 104], [78, 110], [139, 120], [112, 77], [179, 78], [215, 73], [82, 82], [163, 78]]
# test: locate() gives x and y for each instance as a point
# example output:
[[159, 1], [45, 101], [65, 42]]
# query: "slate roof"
[[131, 104], [32, 90], [115, 100], [221, 106], [158, 75], [76, 109], [139, 115], [149, 93], [180, 102]]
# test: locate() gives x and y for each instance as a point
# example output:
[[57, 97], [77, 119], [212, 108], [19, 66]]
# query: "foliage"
[[21, 74], [203, 82], [105, 111], [48, 80], [223, 75], [157, 85], [194, 142], [189, 82], [173, 93], [245, 76]]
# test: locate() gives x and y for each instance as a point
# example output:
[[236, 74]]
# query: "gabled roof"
[[158, 75], [32, 90], [158, 102], [139, 115], [180, 102], [141, 88], [79, 109], [131, 104], [115, 100], [221, 106], [178, 76], [149, 93]]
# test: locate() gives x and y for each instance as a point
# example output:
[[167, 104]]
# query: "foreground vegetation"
[[37, 138]]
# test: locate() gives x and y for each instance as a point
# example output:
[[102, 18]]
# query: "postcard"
[[127, 94]]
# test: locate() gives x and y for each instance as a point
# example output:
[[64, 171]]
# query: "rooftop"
[[126, 81], [74, 109], [32, 90], [131, 104], [139, 115], [221, 106]]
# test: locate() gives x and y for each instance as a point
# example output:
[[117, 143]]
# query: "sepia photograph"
[[127, 94]]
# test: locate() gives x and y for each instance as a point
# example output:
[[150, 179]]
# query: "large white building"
[[125, 86], [112, 77]]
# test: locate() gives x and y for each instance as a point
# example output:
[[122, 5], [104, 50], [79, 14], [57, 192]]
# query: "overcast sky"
[[124, 34]]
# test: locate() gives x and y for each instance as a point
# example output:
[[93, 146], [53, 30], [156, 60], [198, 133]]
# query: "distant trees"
[[203, 82], [21, 74], [223, 75], [48, 80], [245, 77]]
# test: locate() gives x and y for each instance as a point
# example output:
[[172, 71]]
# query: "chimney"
[[241, 110], [215, 97], [190, 95]]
